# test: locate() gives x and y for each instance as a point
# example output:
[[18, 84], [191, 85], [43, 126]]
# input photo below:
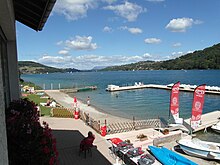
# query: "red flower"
[[51, 162], [46, 150]]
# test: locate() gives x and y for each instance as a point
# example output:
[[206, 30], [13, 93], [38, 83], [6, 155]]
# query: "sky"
[[84, 34]]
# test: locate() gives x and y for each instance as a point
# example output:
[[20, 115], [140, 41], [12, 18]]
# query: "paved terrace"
[[69, 133]]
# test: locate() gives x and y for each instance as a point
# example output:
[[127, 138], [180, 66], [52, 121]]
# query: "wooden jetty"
[[207, 119], [114, 88], [74, 90]]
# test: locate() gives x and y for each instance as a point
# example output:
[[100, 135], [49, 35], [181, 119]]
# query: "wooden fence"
[[90, 121], [133, 125]]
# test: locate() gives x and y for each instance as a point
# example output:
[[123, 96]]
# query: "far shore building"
[[34, 14]]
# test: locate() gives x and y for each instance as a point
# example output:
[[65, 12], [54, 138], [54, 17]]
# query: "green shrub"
[[62, 112]]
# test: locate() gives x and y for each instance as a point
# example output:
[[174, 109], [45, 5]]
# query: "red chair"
[[86, 145]]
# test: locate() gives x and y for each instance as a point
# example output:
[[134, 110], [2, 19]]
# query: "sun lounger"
[[43, 104]]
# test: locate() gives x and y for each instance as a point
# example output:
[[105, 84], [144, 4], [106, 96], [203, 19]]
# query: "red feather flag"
[[197, 105]]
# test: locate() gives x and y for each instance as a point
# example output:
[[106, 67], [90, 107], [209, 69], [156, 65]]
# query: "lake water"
[[142, 103]]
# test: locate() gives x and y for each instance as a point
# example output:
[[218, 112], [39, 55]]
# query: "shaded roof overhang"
[[33, 13]]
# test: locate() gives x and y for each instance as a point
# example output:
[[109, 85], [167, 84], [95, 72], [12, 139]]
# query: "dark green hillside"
[[208, 58], [36, 68], [142, 65]]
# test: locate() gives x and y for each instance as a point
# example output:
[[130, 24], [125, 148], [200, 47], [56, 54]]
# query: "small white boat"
[[199, 148], [216, 127]]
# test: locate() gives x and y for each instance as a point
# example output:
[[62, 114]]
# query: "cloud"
[[152, 41], [59, 43], [147, 55], [63, 52], [177, 44], [181, 24], [81, 43], [132, 30], [51, 59], [129, 11], [74, 9], [107, 29], [89, 61], [178, 54]]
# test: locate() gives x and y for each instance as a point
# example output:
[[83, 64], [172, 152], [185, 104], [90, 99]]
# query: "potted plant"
[[28, 141]]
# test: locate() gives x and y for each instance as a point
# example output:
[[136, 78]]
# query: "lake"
[[142, 103]]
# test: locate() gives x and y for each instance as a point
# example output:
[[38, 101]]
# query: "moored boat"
[[168, 157], [216, 127], [199, 148]]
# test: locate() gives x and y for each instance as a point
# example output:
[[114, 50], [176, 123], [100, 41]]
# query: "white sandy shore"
[[66, 101]]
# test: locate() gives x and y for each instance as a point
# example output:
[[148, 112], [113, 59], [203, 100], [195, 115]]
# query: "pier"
[[74, 90], [183, 87], [207, 119]]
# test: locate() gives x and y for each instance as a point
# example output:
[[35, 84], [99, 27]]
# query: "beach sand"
[[66, 101]]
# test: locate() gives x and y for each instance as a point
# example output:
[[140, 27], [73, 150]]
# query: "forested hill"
[[36, 68], [209, 58]]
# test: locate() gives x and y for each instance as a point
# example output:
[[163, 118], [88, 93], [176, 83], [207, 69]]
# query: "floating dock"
[[74, 90], [207, 119], [183, 87]]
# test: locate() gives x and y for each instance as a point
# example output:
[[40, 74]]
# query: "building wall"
[[13, 70], [9, 88], [3, 140]]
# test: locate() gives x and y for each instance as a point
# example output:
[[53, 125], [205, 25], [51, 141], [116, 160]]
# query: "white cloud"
[[81, 43], [178, 44], [135, 30], [74, 9], [129, 11], [147, 55], [107, 29], [178, 54], [59, 43], [181, 24], [91, 60], [63, 52], [131, 30], [51, 59], [152, 41]]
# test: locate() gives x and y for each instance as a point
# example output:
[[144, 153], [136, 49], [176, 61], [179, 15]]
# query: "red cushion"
[[116, 140]]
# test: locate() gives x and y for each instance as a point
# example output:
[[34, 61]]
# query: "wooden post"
[[88, 120], [99, 131], [134, 122]]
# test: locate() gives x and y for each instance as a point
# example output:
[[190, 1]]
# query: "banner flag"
[[174, 101], [197, 105]]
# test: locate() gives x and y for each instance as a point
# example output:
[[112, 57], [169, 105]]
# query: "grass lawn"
[[45, 111]]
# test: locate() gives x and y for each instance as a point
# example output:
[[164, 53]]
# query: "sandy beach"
[[67, 101]]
